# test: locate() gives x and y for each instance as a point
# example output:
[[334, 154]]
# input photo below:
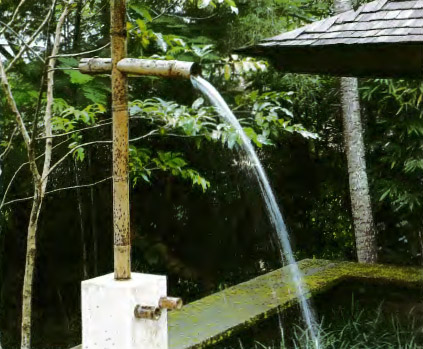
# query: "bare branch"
[[19, 120], [63, 68], [63, 158], [10, 183], [48, 127], [52, 168], [13, 16], [191, 18], [20, 168], [81, 53], [144, 136], [24, 42], [2, 155], [33, 37], [76, 131], [58, 190]]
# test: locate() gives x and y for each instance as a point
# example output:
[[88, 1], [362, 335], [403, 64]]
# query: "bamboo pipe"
[[154, 313], [121, 228], [149, 313], [170, 303], [141, 67]]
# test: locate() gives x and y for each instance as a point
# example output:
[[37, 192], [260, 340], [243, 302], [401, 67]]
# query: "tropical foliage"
[[193, 203]]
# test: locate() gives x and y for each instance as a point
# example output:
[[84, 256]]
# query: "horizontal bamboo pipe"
[[143, 67]]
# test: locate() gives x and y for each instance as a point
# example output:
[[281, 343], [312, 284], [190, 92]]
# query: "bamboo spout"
[[141, 67], [170, 303], [149, 313]]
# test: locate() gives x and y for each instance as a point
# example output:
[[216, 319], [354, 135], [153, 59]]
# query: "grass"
[[356, 328]]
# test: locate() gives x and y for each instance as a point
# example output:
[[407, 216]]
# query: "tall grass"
[[358, 328]]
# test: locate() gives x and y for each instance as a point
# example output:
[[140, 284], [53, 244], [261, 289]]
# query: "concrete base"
[[108, 320]]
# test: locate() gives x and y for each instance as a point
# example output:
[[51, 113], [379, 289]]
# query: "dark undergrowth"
[[355, 328]]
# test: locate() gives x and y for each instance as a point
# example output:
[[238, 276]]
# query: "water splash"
[[275, 215]]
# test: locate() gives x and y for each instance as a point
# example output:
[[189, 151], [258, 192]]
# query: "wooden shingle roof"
[[383, 37]]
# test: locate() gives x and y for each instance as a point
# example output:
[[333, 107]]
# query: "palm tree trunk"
[[365, 233]]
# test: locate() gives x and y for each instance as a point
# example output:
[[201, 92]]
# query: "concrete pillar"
[[108, 320]]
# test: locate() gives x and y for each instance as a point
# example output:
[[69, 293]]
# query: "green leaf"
[[227, 72], [198, 103], [95, 95], [141, 25], [143, 11], [77, 77], [384, 195], [79, 154]]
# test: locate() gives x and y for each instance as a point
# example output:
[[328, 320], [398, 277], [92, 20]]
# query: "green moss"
[[215, 318]]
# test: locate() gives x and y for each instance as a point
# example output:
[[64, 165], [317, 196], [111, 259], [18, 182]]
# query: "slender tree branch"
[[40, 93], [19, 120], [76, 131], [2, 155], [22, 49], [4, 52], [57, 190], [192, 18], [12, 104], [13, 16], [158, 15], [19, 169], [63, 68], [144, 136], [50, 96], [10, 183], [81, 53], [34, 36], [38, 108], [63, 158]]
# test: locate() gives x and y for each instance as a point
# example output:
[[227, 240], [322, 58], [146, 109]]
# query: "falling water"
[[272, 207]]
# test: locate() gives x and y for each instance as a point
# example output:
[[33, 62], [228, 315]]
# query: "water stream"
[[275, 215]]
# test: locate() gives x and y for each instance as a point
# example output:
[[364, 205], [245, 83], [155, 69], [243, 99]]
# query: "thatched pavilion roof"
[[381, 38]]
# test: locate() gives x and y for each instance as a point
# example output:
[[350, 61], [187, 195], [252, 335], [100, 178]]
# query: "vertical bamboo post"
[[122, 244]]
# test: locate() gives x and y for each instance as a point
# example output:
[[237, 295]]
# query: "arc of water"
[[275, 215]]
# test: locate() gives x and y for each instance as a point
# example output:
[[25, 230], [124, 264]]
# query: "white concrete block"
[[108, 320]]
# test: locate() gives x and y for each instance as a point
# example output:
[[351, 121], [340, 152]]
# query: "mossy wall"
[[221, 315]]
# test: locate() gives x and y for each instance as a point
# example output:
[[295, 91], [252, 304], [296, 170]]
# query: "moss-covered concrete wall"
[[217, 317]]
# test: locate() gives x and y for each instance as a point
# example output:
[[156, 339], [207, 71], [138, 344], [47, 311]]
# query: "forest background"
[[196, 213]]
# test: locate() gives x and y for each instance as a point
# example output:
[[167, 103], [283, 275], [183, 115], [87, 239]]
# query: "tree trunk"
[[365, 234], [40, 186]]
